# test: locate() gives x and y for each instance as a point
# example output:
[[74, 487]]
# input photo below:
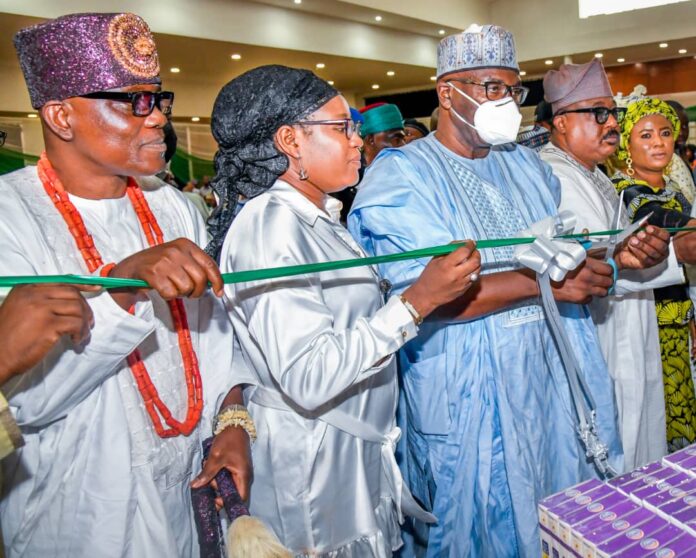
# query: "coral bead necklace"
[[154, 405]]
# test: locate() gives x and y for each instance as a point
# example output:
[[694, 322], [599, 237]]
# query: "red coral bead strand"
[[154, 405]]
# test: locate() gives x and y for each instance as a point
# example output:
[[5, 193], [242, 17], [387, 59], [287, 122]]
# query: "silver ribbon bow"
[[551, 259], [555, 257]]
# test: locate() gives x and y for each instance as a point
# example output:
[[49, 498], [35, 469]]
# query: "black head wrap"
[[247, 113]]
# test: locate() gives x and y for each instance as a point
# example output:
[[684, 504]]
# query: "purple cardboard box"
[[568, 493], [628, 516], [689, 466], [650, 479], [557, 513], [555, 499], [636, 474], [677, 486], [665, 484], [601, 497], [652, 543], [678, 504], [628, 542], [682, 547], [550, 545], [615, 505], [688, 513], [679, 456]]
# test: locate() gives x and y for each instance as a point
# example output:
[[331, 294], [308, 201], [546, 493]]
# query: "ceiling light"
[[620, 60], [195, 119], [391, 73], [523, 73], [297, 1], [433, 78], [175, 70], [236, 57], [664, 45], [375, 86], [378, 18], [682, 51], [548, 62], [441, 32], [330, 82], [602, 7], [598, 55], [32, 115], [321, 66]]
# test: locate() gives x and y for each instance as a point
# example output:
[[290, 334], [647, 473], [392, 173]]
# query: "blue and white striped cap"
[[487, 46]]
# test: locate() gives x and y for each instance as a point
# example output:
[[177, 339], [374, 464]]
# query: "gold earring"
[[630, 171]]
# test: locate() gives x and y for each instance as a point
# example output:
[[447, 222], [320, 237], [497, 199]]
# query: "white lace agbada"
[[94, 479], [626, 322]]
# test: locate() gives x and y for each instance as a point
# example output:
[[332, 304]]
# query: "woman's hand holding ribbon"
[[445, 278]]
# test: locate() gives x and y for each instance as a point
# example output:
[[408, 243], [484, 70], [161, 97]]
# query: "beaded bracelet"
[[235, 415]]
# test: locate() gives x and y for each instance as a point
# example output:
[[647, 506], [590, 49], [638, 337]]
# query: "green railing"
[[12, 160], [184, 166]]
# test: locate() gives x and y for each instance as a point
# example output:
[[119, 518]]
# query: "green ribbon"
[[289, 271]]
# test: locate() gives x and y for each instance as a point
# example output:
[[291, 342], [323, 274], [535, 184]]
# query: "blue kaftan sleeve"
[[394, 212], [552, 181]]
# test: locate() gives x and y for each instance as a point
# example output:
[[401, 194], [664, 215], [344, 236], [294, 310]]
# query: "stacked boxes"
[[649, 512]]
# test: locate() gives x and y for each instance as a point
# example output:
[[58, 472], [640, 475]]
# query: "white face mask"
[[496, 122]]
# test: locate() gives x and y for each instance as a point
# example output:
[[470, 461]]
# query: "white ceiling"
[[199, 36]]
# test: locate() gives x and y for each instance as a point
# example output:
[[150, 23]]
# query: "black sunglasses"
[[601, 114], [3, 137], [143, 102]]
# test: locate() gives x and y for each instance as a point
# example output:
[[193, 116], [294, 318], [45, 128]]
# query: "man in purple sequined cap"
[[61, 59], [112, 427]]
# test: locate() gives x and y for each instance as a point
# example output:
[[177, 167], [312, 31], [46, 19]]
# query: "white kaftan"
[[318, 345], [94, 479], [626, 322]]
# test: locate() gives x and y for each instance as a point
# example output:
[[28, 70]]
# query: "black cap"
[[543, 112], [413, 123]]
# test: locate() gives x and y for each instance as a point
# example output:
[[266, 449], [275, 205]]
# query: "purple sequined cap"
[[83, 53]]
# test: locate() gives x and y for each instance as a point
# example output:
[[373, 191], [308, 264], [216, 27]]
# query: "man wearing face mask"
[[585, 133], [490, 425]]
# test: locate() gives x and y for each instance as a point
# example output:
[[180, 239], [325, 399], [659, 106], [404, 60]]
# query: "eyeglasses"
[[3, 137], [496, 90], [349, 127], [601, 114], [143, 102]]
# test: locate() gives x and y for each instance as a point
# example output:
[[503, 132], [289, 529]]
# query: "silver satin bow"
[[552, 258], [556, 257]]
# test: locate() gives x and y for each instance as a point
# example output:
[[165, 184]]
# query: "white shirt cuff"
[[395, 321]]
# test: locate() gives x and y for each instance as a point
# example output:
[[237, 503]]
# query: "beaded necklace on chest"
[[154, 405]]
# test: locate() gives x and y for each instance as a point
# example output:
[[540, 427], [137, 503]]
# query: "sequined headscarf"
[[84, 53], [636, 111], [247, 113]]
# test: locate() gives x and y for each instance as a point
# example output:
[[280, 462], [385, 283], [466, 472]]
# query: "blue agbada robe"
[[489, 422]]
